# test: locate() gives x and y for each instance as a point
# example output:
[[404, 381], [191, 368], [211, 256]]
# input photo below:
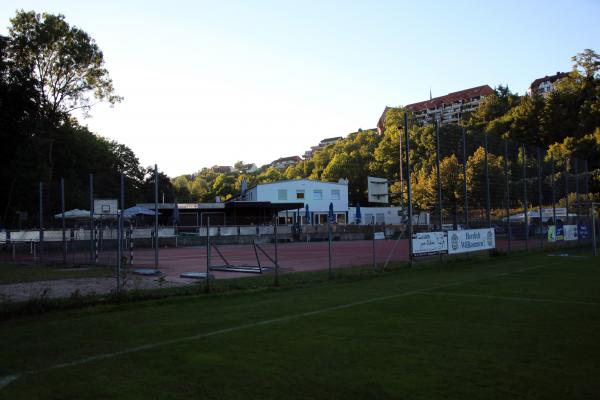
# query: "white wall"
[[385, 215], [269, 192]]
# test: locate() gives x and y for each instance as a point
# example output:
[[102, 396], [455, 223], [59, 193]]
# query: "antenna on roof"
[[429, 93]]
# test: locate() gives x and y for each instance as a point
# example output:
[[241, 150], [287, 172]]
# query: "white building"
[[545, 85], [318, 195]]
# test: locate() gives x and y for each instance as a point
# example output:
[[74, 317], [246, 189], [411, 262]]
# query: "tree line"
[[565, 124], [49, 69]]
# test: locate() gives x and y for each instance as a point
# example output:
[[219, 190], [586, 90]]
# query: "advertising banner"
[[429, 243], [471, 240], [570, 232]]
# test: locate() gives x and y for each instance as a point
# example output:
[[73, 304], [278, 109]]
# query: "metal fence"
[[526, 197], [529, 197]]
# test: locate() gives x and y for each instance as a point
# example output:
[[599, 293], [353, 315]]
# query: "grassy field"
[[18, 273], [521, 327]]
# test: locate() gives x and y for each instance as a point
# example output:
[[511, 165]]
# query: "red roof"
[[450, 98]]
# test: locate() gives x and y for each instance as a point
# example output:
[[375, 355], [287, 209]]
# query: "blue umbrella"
[[331, 216], [307, 214], [358, 216]]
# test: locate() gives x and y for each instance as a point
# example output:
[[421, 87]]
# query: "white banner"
[[548, 213], [471, 240], [570, 232], [429, 243]]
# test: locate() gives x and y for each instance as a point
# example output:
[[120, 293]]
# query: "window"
[[300, 194], [335, 194], [282, 194], [317, 195]]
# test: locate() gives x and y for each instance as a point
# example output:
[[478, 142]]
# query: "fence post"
[[207, 287], [156, 217], [373, 219], [41, 241], [553, 182], [577, 200], [92, 239], [507, 178], [120, 231], [567, 190], [438, 172], [401, 174], [488, 213], [276, 254], [465, 190], [525, 209], [540, 195], [408, 189], [62, 210], [329, 244]]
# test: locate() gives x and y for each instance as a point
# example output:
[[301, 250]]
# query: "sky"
[[214, 82]]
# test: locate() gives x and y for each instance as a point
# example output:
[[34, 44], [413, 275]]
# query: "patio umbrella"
[[358, 216], [331, 216], [175, 215], [133, 211], [75, 213], [307, 217]]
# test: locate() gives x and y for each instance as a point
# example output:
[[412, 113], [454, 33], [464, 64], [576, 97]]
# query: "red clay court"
[[293, 257]]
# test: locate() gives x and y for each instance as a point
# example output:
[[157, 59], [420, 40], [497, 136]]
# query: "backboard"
[[378, 190], [106, 207]]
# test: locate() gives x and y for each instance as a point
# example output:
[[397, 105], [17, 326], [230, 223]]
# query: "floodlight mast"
[[410, 227]]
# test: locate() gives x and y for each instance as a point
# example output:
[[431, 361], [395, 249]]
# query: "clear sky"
[[213, 82]]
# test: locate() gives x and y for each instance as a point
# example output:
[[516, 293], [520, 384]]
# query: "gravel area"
[[65, 287]]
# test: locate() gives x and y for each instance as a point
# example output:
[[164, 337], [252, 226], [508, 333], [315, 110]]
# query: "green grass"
[[18, 273], [519, 327]]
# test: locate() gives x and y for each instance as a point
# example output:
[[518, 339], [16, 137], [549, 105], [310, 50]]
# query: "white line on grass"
[[511, 298], [6, 380]]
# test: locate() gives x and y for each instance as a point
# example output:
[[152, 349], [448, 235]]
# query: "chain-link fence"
[[519, 196], [472, 192]]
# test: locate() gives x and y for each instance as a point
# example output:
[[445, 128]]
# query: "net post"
[[155, 216], [63, 226]]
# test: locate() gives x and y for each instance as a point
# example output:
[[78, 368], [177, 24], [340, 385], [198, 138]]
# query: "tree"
[[66, 66], [65, 61]]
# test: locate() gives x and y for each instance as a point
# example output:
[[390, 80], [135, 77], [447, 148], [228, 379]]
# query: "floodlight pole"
[[438, 172], [409, 193], [488, 213]]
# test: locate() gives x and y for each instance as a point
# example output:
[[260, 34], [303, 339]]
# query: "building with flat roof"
[[285, 162], [447, 109], [322, 144], [545, 85]]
